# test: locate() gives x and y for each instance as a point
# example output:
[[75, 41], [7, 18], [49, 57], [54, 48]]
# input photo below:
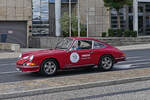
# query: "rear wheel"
[[49, 67], [105, 63]]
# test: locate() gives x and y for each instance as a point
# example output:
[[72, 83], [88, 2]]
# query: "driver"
[[79, 45]]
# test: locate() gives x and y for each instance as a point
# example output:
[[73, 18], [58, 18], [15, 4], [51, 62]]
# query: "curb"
[[72, 87]]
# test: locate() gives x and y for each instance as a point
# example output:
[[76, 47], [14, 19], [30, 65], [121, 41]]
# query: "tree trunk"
[[118, 19]]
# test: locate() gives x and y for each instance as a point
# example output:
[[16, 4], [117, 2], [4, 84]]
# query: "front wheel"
[[49, 67], [105, 63]]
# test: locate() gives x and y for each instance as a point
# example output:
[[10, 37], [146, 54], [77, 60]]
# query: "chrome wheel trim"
[[50, 67], [107, 63]]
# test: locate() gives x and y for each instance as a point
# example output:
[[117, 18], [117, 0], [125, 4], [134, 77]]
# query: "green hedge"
[[120, 33]]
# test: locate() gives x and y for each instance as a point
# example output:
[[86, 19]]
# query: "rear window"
[[98, 45]]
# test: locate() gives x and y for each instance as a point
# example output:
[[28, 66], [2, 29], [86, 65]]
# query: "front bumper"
[[22, 68], [120, 59]]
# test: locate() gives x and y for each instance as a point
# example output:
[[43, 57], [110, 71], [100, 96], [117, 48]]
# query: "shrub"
[[83, 33], [134, 33], [104, 34], [111, 32], [127, 33], [119, 32]]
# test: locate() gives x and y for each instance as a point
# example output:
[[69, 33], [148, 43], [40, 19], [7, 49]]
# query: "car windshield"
[[64, 44]]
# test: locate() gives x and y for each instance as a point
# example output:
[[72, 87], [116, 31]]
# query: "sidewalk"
[[5, 55], [72, 82]]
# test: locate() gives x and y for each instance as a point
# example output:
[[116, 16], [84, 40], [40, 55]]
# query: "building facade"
[[40, 17], [16, 20], [98, 16], [136, 17], [44, 16]]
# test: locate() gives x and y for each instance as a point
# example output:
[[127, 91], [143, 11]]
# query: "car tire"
[[105, 63], [49, 67]]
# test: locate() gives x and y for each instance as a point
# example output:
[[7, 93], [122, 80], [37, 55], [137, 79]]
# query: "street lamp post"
[[79, 18], [87, 18], [70, 26], [135, 16], [58, 17]]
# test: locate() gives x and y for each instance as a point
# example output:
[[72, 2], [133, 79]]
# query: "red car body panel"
[[63, 56]]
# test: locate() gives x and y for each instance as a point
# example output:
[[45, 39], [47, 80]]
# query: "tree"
[[117, 5], [74, 28]]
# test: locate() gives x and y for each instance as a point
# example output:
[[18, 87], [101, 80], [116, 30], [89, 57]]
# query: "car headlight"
[[26, 57], [31, 58], [20, 56]]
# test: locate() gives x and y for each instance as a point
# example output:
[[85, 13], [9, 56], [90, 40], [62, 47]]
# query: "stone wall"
[[15, 10], [99, 16], [50, 42]]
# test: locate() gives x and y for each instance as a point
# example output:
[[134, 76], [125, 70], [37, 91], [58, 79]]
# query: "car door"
[[80, 56], [98, 50]]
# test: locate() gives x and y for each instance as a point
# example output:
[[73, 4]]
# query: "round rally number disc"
[[74, 57]]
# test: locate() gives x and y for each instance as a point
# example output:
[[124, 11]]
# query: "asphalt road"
[[129, 91], [135, 59]]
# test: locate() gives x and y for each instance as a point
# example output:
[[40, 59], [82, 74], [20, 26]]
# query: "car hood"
[[42, 52]]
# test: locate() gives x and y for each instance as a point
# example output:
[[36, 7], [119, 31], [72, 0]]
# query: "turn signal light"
[[31, 64], [123, 55]]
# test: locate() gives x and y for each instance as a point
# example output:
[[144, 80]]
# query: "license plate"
[[18, 69]]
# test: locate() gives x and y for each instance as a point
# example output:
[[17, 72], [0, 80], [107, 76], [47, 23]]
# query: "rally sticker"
[[74, 57]]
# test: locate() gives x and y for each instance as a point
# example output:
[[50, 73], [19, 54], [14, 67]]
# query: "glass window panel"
[[41, 17], [64, 1]]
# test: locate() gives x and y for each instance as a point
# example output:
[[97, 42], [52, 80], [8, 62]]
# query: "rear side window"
[[98, 45], [85, 44]]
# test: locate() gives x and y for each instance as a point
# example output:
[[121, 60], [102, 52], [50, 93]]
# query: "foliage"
[[127, 33], [117, 5], [104, 34], [74, 28], [134, 34], [111, 32], [121, 33]]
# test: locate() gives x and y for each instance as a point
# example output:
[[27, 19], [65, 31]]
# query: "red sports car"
[[72, 52]]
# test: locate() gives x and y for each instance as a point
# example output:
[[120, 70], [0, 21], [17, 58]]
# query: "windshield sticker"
[[74, 57]]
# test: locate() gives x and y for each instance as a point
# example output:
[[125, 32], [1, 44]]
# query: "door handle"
[[91, 52]]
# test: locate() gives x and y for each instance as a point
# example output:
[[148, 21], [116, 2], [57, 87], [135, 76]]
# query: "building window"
[[40, 17], [63, 1], [114, 21]]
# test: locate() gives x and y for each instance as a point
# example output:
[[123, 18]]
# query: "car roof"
[[84, 38], [88, 38]]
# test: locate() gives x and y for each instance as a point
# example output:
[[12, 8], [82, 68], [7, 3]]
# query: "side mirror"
[[70, 50]]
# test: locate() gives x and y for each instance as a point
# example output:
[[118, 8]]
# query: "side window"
[[84, 44], [98, 45]]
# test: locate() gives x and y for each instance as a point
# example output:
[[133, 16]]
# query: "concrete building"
[[136, 17], [16, 20], [98, 15], [141, 16]]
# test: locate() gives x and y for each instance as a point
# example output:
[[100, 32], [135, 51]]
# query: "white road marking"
[[123, 66], [8, 64], [134, 61], [143, 63], [128, 66], [132, 57], [8, 72]]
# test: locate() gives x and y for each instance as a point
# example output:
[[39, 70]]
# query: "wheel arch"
[[113, 58], [51, 58]]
